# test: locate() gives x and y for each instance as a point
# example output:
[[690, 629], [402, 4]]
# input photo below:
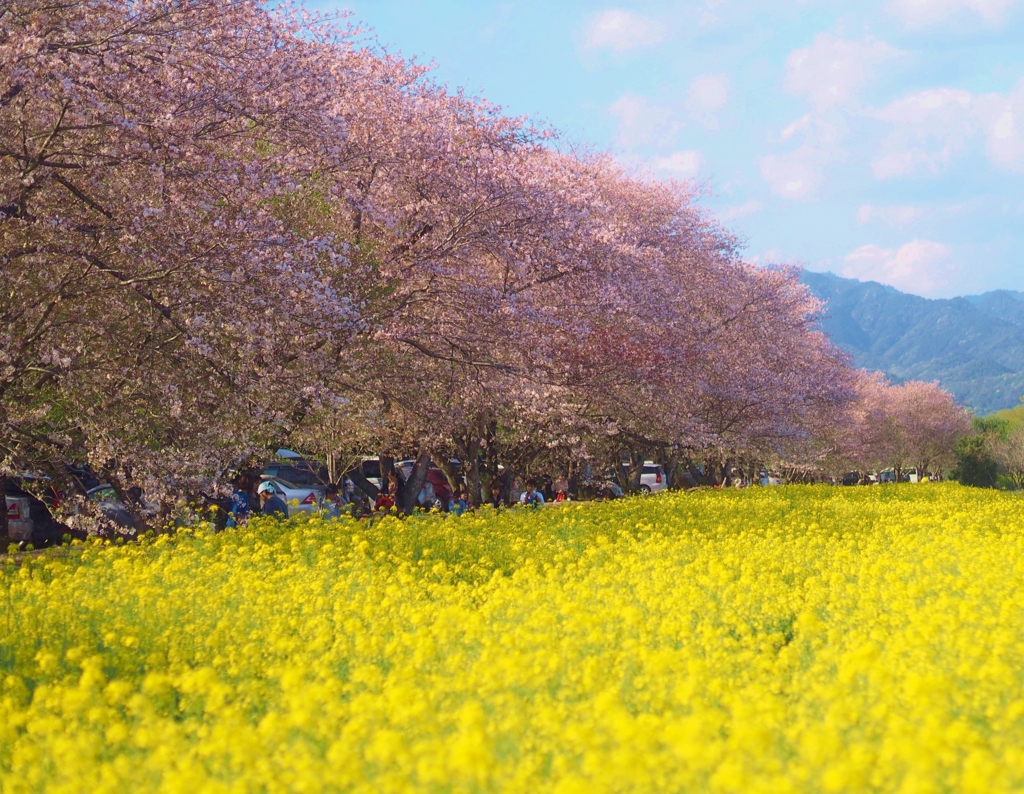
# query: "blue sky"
[[877, 140]]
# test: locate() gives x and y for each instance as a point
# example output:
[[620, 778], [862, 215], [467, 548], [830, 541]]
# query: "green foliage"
[[1010, 416], [975, 465]]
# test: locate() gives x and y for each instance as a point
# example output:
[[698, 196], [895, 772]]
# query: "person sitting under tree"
[[496, 499], [531, 497], [388, 496], [335, 504], [240, 504]]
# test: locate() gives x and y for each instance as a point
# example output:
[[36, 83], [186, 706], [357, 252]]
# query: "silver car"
[[652, 478], [300, 499]]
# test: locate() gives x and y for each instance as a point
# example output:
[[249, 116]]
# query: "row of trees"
[[993, 454], [225, 228], [913, 425]]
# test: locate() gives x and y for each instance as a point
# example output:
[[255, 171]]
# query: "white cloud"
[[800, 173], [829, 74], [685, 164], [796, 175], [622, 31], [924, 13], [802, 126], [832, 70], [642, 122], [740, 210], [710, 13], [708, 94], [896, 216], [922, 267], [929, 128], [1003, 118], [770, 256]]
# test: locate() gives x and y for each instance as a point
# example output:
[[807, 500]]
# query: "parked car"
[[442, 490], [609, 489], [19, 519], [370, 468], [652, 478], [292, 467], [29, 519], [408, 464], [33, 499], [299, 498], [110, 504], [304, 473]]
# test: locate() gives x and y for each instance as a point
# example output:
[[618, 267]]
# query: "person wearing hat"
[[270, 502]]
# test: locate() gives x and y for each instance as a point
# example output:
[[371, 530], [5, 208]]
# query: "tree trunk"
[[636, 469], [629, 476], [471, 469], [714, 470], [332, 467], [387, 469], [448, 471], [4, 536], [408, 493], [363, 484], [713, 467], [619, 473], [490, 446], [672, 466]]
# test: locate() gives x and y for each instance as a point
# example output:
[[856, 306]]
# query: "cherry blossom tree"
[[163, 306], [913, 425], [223, 228]]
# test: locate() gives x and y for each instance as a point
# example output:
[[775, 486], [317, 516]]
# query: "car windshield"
[[105, 494]]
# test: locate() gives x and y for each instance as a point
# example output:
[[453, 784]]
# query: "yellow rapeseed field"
[[782, 639]]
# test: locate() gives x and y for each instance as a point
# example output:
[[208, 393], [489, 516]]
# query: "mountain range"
[[973, 346]]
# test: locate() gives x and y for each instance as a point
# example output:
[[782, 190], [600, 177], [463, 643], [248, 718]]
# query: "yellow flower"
[[784, 639]]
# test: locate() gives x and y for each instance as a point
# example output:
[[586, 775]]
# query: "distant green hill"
[[972, 346]]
